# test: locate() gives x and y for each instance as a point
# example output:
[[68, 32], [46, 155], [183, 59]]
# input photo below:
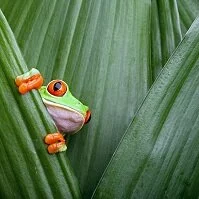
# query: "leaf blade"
[[166, 33], [188, 12], [25, 157], [98, 41], [162, 136]]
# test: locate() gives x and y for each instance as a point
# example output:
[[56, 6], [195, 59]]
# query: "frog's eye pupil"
[[57, 86]]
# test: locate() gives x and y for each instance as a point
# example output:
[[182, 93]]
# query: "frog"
[[68, 113]]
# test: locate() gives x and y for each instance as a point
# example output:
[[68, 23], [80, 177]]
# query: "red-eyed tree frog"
[[68, 113]]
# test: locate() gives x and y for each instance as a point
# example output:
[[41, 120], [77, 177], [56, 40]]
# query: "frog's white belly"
[[66, 120]]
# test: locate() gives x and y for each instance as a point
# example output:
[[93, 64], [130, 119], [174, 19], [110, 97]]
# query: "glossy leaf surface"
[[102, 50], [158, 156], [166, 33], [188, 11], [27, 170]]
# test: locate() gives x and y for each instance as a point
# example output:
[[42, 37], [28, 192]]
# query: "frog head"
[[68, 113]]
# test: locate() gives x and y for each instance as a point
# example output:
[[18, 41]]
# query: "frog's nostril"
[[88, 117]]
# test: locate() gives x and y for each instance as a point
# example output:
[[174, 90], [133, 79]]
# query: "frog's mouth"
[[50, 103]]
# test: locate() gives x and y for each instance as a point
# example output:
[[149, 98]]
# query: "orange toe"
[[53, 138], [28, 81], [56, 147]]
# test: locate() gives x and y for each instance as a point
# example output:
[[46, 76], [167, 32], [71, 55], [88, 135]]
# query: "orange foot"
[[56, 142], [29, 80]]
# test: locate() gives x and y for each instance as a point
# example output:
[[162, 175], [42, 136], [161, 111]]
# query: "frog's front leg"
[[29, 80], [34, 80]]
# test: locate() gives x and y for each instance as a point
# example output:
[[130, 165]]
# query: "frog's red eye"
[[57, 88]]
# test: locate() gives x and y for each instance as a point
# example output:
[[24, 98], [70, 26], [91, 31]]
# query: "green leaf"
[[188, 11], [27, 170], [102, 50], [158, 156], [111, 70], [166, 33]]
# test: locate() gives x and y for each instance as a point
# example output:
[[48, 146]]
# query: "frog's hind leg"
[[53, 138], [56, 142]]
